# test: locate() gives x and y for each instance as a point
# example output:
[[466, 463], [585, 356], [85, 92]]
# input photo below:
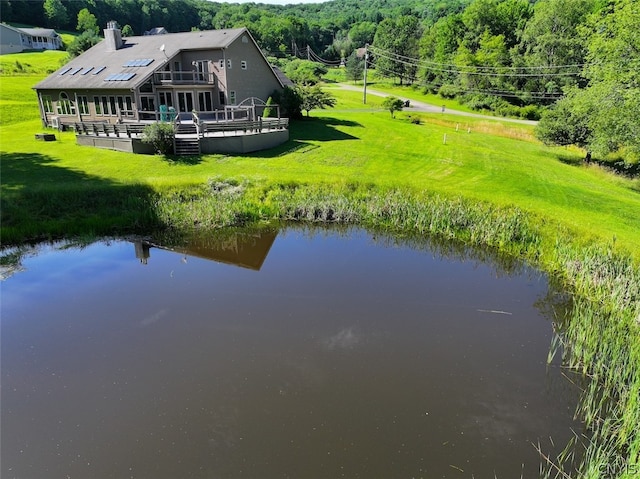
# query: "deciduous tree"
[[396, 41], [392, 104], [87, 21], [314, 97], [56, 12]]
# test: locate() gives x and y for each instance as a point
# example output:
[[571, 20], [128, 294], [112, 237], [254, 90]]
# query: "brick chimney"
[[113, 36]]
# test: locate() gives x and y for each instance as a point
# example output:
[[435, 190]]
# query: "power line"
[[465, 70], [537, 95], [420, 62]]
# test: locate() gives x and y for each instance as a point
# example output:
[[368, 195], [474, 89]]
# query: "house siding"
[[258, 80], [11, 40]]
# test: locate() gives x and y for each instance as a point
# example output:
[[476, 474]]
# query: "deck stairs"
[[186, 142], [187, 146]]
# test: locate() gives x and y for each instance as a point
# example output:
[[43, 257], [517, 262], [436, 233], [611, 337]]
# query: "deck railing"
[[201, 129], [183, 77]]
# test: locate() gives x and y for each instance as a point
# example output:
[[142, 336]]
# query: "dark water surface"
[[297, 354]]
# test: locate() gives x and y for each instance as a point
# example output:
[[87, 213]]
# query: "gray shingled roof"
[[134, 48], [40, 32]]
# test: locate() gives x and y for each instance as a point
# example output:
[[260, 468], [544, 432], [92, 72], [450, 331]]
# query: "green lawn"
[[36, 62], [496, 162]]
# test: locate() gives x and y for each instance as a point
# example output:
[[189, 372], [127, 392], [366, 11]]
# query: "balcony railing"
[[183, 77]]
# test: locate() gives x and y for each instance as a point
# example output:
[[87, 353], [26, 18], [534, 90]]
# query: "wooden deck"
[[184, 129]]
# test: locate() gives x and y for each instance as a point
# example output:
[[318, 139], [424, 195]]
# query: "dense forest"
[[575, 62]]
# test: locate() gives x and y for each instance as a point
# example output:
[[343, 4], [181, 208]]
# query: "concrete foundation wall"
[[244, 143], [128, 145], [239, 144]]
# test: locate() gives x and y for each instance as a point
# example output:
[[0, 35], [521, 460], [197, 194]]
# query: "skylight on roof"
[[75, 70], [140, 62], [98, 70], [86, 70], [64, 70], [120, 77]]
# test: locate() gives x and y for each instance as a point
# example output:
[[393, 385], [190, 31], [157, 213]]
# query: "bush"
[[448, 91], [160, 136], [269, 111], [290, 102], [530, 112]]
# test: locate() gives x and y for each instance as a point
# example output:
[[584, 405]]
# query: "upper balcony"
[[183, 78]]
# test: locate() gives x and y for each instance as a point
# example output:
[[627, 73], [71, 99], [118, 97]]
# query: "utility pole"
[[308, 53], [366, 60]]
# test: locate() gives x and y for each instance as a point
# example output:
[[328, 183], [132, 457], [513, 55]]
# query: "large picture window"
[[65, 105]]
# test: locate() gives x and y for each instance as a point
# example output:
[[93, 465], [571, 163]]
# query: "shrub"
[[290, 102], [530, 112], [448, 91], [160, 136], [269, 111]]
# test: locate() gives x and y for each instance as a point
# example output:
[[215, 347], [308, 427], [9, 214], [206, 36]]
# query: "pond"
[[293, 353]]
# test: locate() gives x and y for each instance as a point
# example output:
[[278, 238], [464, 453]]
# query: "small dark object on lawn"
[[45, 136]]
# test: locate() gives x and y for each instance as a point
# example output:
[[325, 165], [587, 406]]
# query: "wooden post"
[[366, 58]]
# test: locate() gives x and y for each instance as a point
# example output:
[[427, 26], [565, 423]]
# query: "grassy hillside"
[[497, 162], [40, 62]]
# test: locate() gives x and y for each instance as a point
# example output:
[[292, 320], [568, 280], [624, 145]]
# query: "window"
[[202, 67], [229, 64], [221, 97], [65, 106], [177, 70], [166, 98], [243, 64], [146, 88], [97, 105], [47, 104], [83, 105], [105, 106], [205, 101], [232, 97], [147, 103], [124, 106]]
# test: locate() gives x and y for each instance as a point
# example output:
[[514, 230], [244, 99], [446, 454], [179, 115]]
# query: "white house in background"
[[16, 40]]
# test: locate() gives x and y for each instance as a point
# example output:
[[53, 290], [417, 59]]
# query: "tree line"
[[575, 63]]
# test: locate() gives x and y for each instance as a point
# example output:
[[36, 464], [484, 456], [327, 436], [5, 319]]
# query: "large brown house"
[[141, 78]]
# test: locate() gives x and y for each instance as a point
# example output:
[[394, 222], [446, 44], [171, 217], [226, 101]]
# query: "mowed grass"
[[36, 62], [497, 162]]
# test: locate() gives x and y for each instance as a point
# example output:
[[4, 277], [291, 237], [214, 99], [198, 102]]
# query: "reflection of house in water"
[[248, 250]]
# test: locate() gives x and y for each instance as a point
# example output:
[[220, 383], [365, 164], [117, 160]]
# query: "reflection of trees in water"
[[11, 262], [439, 247]]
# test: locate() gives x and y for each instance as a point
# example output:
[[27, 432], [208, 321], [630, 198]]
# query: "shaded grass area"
[[67, 203]]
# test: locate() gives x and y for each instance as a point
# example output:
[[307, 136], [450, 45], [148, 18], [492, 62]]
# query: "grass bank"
[[490, 184]]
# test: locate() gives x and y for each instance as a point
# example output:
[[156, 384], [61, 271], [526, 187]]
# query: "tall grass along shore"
[[490, 184]]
